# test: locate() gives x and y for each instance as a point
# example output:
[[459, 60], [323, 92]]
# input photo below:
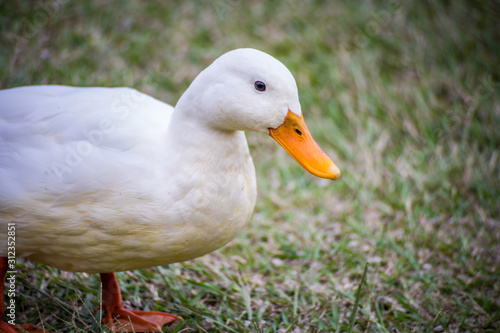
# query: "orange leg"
[[120, 319], [5, 327]]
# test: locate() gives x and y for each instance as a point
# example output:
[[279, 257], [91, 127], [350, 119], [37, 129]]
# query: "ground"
[[403, 95]]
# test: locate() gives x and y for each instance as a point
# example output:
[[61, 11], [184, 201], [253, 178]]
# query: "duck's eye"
[[260, 86]]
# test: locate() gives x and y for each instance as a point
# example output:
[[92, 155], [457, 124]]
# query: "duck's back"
[[53, 136]]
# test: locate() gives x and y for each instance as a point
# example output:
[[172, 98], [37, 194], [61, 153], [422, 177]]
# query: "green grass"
[[404, 96]]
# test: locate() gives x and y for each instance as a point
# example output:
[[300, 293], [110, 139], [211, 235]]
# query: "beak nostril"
[[298, 132]]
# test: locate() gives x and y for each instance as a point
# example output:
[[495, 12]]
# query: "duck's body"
[[102, 180], [127, 186]]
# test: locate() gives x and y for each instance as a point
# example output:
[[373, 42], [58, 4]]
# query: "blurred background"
[[403, 95]]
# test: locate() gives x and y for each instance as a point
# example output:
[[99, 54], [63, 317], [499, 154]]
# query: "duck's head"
[[249, 90]]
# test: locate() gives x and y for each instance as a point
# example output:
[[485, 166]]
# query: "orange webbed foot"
[[120, 319], [7, 328], [124, 320]]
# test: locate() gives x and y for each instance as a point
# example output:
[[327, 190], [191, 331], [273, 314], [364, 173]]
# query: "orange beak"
[[295, 138]]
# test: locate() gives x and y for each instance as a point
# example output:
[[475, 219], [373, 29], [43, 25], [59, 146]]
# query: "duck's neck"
[[193, 143]]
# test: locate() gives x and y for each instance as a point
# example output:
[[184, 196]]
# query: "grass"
[[403, 95]]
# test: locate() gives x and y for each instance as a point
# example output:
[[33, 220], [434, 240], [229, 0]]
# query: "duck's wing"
[[68, 141]]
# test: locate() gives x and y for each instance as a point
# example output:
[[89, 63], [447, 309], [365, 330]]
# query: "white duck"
[[102, 180]]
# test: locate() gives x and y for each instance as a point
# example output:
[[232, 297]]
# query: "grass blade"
[[356, 301]]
